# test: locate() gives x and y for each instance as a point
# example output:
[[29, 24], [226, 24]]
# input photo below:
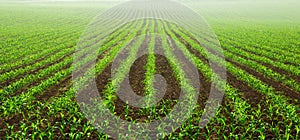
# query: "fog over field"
[[282, 10]]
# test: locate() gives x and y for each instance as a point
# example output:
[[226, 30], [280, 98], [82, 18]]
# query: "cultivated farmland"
[[46, 59]]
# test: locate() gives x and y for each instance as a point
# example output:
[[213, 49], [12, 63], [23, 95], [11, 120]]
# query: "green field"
[[259, 41]]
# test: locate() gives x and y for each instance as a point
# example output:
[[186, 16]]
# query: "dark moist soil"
[[163, 69], [56, 90], [103, 78]]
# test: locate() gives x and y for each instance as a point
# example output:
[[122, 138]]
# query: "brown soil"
[[56, 90]]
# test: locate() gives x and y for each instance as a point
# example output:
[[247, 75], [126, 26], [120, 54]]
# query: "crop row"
[[289, 110]]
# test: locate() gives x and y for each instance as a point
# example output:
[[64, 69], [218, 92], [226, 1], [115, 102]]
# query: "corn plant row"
[[252, 64], [113, 40], [288, 110], [14, 104], [28, 60], [266, 51], [50, 71], [240, 106], [179, 75], [17, 72], [264, 70], [278, 102], [64, 102], [120, 73], [98, 30], [283, 58], [276, 44], [53, 58], [50, 19], [276, 97], [34, 57], [95, 41], [29, 78], [33, 38], [41, 43], [264, 86], [150, 66]]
